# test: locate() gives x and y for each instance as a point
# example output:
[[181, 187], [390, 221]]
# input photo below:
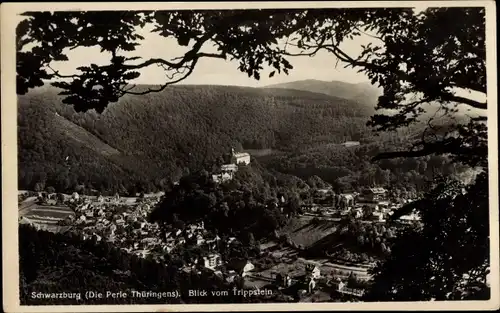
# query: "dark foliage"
[[246, 205], [57, 263], [448, 257]]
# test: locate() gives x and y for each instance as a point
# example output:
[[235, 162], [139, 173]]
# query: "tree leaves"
[[131, 75], [432, 263]]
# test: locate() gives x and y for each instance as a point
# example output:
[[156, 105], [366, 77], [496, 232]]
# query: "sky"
[[323, 66], [218, 71]]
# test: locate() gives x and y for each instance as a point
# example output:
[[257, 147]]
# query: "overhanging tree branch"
[[469, 102], [184, 76], [344, 57]]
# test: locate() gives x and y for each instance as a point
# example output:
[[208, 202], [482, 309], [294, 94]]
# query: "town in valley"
[[123, 221]]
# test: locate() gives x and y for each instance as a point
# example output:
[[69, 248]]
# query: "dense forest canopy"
[[246, 204], [417, 58], [144, 143]]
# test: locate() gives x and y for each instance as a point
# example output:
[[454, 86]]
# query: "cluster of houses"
[[108, 219], [229, 271], [194, 234], [306, 279], [127, 227], [370, 201], [310, 280]]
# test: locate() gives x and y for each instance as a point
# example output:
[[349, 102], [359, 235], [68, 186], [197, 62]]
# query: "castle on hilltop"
[[227, 170], [240, 157]]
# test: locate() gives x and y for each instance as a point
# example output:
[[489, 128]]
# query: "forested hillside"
[[143, 142]]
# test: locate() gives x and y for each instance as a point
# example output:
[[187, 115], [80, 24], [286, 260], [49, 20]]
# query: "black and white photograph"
[[202, 156]]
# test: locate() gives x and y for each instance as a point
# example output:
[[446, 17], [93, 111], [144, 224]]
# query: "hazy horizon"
[[182, 83]]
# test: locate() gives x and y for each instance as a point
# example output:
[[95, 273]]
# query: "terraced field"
[[44, 216], [309, 235], [52, 212]]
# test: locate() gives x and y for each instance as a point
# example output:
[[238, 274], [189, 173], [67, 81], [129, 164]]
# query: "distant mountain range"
[[363, 93]]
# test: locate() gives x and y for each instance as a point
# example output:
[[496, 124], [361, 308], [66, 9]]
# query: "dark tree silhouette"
[[448, 258]]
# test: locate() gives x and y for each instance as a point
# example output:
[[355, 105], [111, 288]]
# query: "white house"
[[324, 191], [242, 267], [247, 268], [284, 280], [229, 168], [379, 216], [220, 178], [358, 212], [230, 240], [347, 199], [212, 261], [200, 226], [215, 239], [410, 218], [240, 157], [200, 240], [374, 194], [313, 271], [311, 284], [339, 284]]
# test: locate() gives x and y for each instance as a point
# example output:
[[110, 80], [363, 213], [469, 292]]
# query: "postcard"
[[249, 156]]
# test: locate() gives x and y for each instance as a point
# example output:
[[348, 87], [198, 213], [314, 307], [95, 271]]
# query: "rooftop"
[[377, 190]]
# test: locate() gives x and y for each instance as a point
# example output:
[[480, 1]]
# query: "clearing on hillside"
[[84, 137], [303, 231]]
